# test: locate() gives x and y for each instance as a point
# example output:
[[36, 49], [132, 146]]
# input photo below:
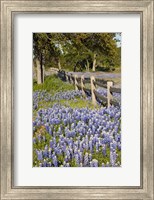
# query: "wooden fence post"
[[75, 82], [43, 73], [109, 94], [71, 79], [66, 77], [83, 86], [94, 102]]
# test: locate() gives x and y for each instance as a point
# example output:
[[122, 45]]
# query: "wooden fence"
[[80, 84], [51, 71]]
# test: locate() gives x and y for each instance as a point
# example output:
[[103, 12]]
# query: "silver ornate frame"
[[8, 10]]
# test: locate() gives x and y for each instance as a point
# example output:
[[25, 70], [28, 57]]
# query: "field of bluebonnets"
[[69, 132]]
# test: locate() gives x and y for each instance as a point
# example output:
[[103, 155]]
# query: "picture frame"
[[8, 11]]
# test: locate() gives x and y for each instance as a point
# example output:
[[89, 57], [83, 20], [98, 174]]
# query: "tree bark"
[[42, 69], [39, 77], [87, 66], [74, 69], [59, 65], [34, 70], [43, 74], [94, 63]]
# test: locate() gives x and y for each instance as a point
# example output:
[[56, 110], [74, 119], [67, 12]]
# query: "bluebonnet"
[[76, 134], [40, 156]]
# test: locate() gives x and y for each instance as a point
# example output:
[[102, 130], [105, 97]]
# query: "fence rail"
[[103, 98], [101, 84], [80, 84], [87, 80], [114, 89]]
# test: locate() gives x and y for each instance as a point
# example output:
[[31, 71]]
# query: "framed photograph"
[[77, 116], [77, 99]]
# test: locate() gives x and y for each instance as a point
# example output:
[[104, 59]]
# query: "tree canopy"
[[77, 51]]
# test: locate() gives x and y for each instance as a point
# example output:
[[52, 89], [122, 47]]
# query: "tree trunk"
[[42, 69], [39, 77], [75, 67], [34, 70], [87, 66], [94, 63], [59, 65], [43, 74]]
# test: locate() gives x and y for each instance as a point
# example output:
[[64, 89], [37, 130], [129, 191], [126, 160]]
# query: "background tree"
[[39, 47], [101, 46], [75, 51]]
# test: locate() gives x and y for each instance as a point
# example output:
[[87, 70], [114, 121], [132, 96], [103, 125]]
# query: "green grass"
[[53, 84], [78, 103], [100, 157], [75, 103]]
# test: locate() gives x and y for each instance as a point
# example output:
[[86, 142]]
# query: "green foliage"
[[118, 58], [75, 51]]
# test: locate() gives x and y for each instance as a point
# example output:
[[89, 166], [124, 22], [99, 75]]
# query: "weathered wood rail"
[[80, 84]]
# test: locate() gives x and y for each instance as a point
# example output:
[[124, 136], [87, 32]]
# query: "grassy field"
[[52, 84]]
